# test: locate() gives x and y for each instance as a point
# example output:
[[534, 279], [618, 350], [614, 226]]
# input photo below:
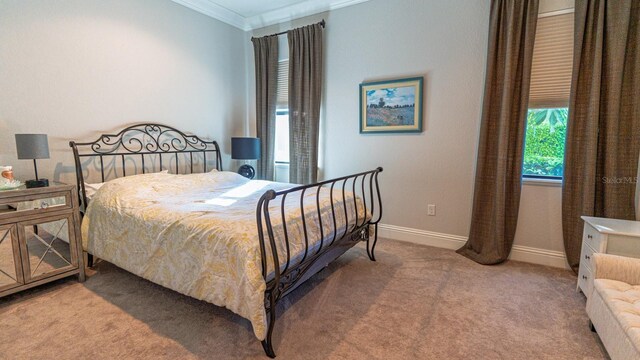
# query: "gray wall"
[[74, 69], [444, 41]]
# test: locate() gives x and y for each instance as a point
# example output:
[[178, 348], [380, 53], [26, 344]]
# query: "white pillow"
[[91, 189]]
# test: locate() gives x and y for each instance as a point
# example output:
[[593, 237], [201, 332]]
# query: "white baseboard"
[[422, 237], [453, 242]]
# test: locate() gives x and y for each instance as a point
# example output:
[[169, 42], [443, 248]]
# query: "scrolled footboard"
[[354, 209]]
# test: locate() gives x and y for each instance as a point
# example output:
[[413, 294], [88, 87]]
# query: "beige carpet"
[[415, 302]]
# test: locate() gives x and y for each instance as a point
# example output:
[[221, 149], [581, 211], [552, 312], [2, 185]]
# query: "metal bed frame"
[[155, 140]]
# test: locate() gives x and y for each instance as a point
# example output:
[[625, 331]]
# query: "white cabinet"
[[611, 236]]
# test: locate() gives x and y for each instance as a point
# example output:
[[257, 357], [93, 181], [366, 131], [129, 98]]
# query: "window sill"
[[542, 182]]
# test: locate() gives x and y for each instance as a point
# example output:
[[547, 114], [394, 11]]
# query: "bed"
[[156, 202]]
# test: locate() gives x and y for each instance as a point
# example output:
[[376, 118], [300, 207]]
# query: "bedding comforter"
[[196, 234]]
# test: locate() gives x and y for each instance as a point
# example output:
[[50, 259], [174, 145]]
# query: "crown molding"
[[297, 11], [215, 11], [287, 13]]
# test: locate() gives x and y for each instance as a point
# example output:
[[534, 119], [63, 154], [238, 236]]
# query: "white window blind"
[[282, 98], [552, 62]]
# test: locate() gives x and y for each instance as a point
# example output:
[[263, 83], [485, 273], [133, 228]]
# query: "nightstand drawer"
[[585, 280], [37, 203], [586, 255], [592, 237]]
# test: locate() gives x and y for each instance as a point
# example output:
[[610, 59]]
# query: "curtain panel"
[[603, 134], [498, 179], [305, 90], [266, 65]]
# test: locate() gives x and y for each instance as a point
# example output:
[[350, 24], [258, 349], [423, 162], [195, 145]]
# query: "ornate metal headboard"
[[119, 153]]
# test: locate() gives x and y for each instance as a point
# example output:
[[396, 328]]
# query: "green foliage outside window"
[[544, 142]]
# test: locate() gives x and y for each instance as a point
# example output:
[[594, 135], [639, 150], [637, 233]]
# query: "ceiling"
[[254, 14], [249, 8]]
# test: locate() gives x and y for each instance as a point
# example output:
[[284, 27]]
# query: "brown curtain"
[[603, 135], [496, 197], [266, 59], [305, 90]]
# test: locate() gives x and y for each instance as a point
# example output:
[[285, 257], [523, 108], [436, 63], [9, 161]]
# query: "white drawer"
[[585, 280], [586, 255], [593, 238]]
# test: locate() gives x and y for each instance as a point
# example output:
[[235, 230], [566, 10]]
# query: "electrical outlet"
[[431, 210]]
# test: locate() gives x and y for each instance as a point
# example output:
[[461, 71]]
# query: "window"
[[544, 142], [281, 153], [549, 96]]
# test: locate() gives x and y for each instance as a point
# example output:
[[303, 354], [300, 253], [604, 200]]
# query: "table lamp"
[[245, 148], [33, 146]]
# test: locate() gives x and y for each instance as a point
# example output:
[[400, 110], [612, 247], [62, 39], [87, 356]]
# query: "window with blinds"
[[549, 97], [552, 62], [282, 98], [281, 148]]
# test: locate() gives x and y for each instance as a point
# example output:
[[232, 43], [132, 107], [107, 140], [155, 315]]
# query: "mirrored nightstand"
[[39, 237]]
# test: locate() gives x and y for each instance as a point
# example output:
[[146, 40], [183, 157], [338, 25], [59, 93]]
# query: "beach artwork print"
[[391, 106]]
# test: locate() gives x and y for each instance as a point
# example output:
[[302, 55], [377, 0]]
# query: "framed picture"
[[393, 106]]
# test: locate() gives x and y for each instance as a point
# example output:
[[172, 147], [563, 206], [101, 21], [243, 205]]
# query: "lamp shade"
[[32, 146], [245, 148]]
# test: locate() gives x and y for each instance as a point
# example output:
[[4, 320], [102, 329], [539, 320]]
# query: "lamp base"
[[247, 171], [36, 183]]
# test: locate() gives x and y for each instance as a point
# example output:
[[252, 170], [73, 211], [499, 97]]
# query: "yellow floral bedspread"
[[197, 234]]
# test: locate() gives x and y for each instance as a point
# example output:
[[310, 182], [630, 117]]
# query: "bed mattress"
[[197, 234]]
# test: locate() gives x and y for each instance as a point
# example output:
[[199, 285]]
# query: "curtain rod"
[[322, 23]]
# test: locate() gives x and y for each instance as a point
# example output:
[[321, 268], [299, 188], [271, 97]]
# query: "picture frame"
[[391, 106]]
